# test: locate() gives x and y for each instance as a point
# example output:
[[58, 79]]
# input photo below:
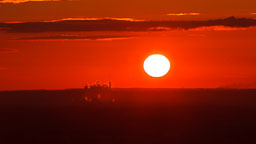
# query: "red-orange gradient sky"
[[58, 54]]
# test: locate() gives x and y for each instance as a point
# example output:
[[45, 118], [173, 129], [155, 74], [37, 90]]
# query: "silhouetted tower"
[[109, 84]]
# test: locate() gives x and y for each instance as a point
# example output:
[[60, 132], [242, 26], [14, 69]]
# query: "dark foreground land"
[[129, 116]]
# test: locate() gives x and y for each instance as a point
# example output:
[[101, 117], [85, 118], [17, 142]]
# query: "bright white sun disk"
[[156, 65]]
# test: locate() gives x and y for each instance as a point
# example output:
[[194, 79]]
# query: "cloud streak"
[[121, 25], [183, 14], [23, 1], [91, 19], [8, 50], [74, 37], [218, 28]]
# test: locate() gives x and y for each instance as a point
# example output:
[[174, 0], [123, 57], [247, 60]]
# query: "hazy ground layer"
[[129, 116]]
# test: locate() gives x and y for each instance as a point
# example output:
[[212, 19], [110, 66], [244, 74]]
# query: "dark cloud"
[[8, 50], [75, 37], [121, 25]]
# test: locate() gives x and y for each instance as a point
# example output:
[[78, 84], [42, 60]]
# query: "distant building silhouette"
[[98, 92], [109, 84]]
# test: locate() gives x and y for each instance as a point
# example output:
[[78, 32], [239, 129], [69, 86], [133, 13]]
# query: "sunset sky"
[[58, 44]]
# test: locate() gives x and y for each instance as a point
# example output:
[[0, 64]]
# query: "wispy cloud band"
[[8, 50], [183, 14], [23, 1], [74, 37], [121, 25]]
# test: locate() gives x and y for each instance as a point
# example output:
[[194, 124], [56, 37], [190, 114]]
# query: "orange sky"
[[32, 10], [200, 57]]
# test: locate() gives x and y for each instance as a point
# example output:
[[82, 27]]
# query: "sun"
[[156, 65]]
